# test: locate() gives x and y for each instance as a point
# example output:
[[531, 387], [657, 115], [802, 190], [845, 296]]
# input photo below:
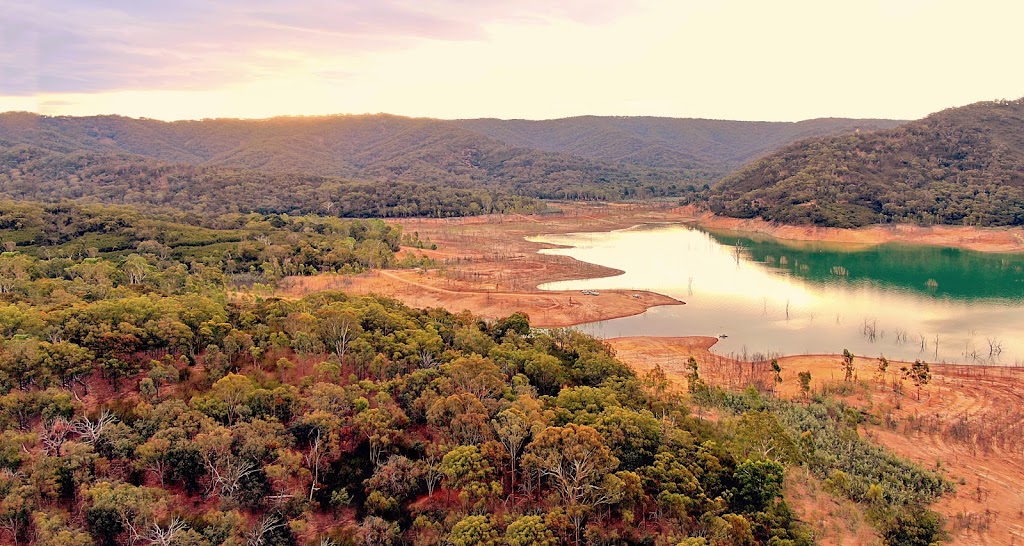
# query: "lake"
[[768, 297]]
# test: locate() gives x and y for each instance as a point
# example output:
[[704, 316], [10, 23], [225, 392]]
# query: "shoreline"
[[490, 266], [479, 256], [701, 343], [979, 239]]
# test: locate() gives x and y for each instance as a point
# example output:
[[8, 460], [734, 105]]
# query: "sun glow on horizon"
[[735, 59]]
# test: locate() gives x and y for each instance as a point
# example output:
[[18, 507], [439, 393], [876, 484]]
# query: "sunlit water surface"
[[766, 297]]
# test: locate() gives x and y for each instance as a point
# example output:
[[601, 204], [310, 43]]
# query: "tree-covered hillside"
[[140, 404], [143, 403], [959, 166], [243, 249]]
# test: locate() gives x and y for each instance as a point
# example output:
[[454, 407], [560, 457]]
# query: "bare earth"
[[969, 421], [486, 265], [545, 309]]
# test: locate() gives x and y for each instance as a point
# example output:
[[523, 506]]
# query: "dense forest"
[[241, 248], [961, 166], [349, 145], [147, 397], [378, 165]]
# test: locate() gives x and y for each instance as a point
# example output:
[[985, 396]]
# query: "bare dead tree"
[[258, 535], [226, 474], [314, 459], [89, 430], [164, 536], [54, 435], [869, 329], [427, 358]]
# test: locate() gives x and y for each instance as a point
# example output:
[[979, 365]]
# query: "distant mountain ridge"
[[362, 145], [374, 165], [958, 166]]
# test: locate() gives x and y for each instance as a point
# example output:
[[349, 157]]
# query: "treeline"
[[377, 166], [578, 158], [704, 149], [39, 175], [54, 241], [375, 160], [963, 166]]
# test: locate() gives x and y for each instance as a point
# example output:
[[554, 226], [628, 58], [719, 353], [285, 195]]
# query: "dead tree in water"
[[995, 347]]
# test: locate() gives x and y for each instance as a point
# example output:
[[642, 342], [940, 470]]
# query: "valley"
[[377, 330], [587, 273]]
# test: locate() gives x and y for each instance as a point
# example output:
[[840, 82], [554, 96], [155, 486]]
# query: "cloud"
[[68, 46]]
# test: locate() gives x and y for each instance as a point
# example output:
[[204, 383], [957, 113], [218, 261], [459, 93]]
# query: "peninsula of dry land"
[[486, 264]]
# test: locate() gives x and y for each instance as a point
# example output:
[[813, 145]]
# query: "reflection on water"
[[768, 297]]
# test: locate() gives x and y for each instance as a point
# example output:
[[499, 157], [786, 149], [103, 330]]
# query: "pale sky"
[[533, 59]]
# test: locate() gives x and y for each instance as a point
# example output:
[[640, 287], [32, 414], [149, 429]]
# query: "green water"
[[768, 297], [932, 271]]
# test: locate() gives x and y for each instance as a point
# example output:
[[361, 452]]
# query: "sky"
[[777, 60]]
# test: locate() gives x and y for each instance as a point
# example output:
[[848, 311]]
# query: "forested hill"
[[958, 166], [713, 145], [351, 145], [148, 398], [347, 146], [372, 150], [589, 158]]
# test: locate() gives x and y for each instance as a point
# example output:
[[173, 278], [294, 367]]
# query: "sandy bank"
[[973, 238]]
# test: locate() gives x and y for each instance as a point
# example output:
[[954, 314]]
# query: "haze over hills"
[[958, 166], [344, 165], [347, 145], [590, 158], [714, 145]]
